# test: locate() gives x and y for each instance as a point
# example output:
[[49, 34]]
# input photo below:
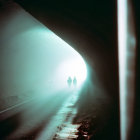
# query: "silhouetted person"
[[74, 81], [69, 81]]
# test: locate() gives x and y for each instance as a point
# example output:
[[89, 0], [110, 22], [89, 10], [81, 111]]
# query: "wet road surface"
[[39, 118]]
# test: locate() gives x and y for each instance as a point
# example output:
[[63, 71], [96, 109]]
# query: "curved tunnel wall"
[[23, 58], [31, 54]]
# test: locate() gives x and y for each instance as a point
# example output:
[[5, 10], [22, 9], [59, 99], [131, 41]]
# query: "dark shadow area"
[[9, 125], [136, 127], [33, 133], [97, 114]]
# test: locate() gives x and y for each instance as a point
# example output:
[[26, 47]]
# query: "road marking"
[[14, 106]]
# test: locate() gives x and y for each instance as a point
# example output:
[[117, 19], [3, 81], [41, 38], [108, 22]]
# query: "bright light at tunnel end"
[[68, 62], [73, 67]]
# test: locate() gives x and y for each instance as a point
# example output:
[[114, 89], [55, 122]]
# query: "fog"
[[30, 54]]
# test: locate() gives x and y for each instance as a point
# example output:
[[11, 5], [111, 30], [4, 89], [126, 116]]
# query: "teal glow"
[[71, 63], [34, 65], [56, 56], [37, 59]]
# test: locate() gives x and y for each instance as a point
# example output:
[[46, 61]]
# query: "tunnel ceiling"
[[81, 23], [89, 26]]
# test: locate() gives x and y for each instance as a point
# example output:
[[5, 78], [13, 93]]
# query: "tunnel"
[[53, 50]]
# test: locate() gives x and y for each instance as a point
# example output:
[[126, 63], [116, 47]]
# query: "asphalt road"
[[27, 120]]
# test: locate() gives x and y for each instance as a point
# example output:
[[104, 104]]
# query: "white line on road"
[[14, 106]]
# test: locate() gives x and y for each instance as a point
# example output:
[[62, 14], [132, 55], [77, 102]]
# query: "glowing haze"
[[71, 64], [34, 59]]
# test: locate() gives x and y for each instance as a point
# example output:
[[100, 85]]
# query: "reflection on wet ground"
[[32, 120], [68, 114]]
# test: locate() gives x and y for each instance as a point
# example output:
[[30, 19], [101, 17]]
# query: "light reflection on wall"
[[127, 54]]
